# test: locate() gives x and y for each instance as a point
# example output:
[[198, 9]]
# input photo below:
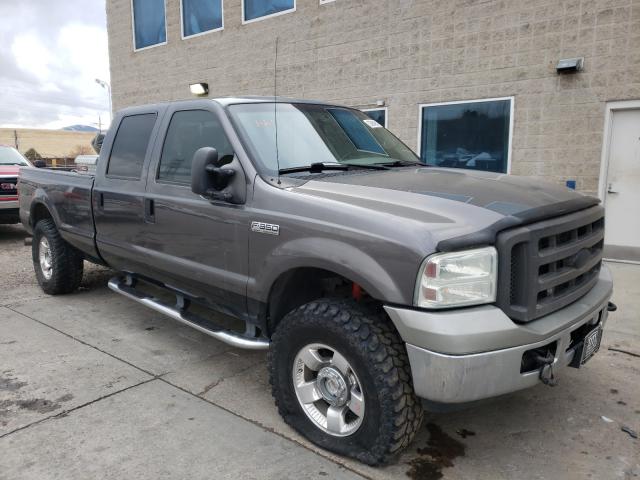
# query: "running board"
[[227, 336]]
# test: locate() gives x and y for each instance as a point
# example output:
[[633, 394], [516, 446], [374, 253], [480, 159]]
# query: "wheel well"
[[39, 212], [302, 285]]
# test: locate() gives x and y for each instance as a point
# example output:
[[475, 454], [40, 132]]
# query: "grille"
[[547, 265], [7, 188]]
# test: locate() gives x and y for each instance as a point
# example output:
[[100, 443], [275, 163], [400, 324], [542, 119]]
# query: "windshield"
[[308, 134], [10, 156]]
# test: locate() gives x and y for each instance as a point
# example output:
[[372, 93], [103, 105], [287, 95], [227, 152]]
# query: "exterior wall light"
[[199, 89], [570, 65]]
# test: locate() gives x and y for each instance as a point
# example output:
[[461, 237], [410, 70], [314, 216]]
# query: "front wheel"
[[58, 265], [340, 376]]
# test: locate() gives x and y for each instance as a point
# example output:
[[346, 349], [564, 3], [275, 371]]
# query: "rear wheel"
[[340, 376], [58, 265]]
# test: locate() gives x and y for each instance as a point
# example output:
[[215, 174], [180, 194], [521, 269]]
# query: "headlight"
[[458, 278]]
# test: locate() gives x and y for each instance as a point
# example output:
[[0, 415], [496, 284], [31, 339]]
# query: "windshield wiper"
[[368, 166], [318, 167], [402, 163]]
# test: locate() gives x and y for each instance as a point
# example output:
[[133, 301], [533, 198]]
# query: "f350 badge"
[[268, 228]]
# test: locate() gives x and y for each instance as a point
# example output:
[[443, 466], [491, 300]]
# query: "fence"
[[59, 163]]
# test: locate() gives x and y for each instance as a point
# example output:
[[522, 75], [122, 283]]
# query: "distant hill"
[[80, 128]]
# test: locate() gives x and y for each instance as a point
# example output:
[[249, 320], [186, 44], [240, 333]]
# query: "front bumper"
[[9, 211], [12, 204], [464, 355]]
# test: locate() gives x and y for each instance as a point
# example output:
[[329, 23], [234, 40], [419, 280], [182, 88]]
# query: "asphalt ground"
[[93, 385]]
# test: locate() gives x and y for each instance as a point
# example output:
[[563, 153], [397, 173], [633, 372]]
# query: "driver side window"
[[189, 130]]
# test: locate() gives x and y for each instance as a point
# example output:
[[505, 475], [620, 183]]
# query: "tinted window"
[[130, 146], [149, 22], [379, 116], [467, 135], [261, 8], [189, 131], [199, 16]]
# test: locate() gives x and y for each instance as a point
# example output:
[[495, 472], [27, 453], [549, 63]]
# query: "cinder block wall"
[[408, 52]]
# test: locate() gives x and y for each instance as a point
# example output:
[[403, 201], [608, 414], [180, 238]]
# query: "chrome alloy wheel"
[[328, 390], [44, 255]]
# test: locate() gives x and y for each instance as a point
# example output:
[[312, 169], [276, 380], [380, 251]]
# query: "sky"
[[51, 52]]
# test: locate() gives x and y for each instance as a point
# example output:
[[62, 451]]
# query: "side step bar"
[[229, 337]]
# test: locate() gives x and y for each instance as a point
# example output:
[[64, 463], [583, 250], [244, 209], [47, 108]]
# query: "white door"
[[622, 187]]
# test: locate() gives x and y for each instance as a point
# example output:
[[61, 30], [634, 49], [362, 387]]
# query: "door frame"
[[610, 109]]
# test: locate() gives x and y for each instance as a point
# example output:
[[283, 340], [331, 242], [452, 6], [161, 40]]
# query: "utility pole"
[[15, 139]]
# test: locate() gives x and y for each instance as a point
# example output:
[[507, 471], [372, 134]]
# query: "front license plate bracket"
[[588, 347]]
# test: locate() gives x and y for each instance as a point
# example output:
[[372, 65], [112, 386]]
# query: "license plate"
[[591, 344]]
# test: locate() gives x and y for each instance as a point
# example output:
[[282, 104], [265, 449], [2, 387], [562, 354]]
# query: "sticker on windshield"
[[372, 123]]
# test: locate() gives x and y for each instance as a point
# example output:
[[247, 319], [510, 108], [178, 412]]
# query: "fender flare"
[[40, 199], [326, 254]]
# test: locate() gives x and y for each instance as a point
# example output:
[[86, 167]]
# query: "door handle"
[[149, 210], [610, 189]]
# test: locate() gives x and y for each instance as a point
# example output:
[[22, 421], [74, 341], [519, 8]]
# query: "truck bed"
[[67, 195]]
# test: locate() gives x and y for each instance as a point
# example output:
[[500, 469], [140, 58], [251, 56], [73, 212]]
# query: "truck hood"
[[9, 170], [484, 202]]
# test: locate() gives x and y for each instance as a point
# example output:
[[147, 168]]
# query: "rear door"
[[118, 195], [198, 245]]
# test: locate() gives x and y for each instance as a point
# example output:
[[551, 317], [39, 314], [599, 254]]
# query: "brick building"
[[466, 83]]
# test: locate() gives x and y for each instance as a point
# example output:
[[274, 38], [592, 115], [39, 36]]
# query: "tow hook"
[[611, 307], [546, 371]]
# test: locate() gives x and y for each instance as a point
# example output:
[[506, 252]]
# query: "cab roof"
[[223, 102]]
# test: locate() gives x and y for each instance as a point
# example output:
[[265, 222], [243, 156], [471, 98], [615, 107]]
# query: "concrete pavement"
[[95, 386]]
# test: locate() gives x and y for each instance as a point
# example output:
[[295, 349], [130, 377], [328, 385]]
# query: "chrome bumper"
[[444, 372], [9, 205]]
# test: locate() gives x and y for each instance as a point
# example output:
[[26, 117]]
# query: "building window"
[[130, 146], [201, 16], [474, 135], [149, 23], [189, 131], [253, 10], [377, 114]]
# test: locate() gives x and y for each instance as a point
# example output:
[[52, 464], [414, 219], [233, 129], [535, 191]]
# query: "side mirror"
[[214, 182], [39, 164]]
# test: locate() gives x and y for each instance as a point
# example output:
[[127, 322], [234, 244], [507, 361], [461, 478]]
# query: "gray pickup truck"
[[307, 229]]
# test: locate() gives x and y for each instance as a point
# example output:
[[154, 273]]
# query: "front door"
[[622, 187], [199, 246]]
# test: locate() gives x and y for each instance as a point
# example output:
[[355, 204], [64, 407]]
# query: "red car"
[[10, 162]]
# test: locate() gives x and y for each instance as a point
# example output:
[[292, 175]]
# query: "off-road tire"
[[366, 337], [67, 262]]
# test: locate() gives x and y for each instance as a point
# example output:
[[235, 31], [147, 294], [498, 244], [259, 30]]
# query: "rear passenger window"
[[189, 131], [130, 146]]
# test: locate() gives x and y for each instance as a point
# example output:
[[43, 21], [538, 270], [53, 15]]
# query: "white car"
[[86, 164]]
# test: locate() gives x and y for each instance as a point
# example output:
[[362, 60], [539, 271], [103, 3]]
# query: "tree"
[[81, 150], [32, 155]]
